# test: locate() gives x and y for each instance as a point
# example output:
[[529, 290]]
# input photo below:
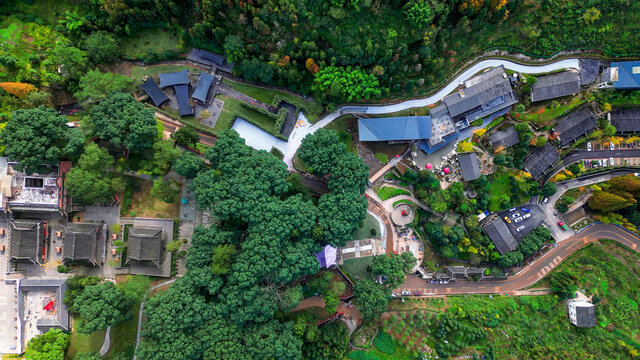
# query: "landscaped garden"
[[370, 229], [547, 115], [387, 192], [234, 108]]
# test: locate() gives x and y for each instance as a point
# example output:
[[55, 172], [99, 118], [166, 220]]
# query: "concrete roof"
[[626, 120], [541, 159], [504, 139], [154, 92], [577, 124], [589, 71], [556, 85], [585, 314], [500, 235], [470, 166], [394, 128], [174, 78]]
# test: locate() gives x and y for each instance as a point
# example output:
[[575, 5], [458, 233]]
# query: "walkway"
[[532, 273], [295, 139], [580, 155]]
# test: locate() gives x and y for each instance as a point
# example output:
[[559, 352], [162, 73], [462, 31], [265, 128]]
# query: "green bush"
[[384, 342]]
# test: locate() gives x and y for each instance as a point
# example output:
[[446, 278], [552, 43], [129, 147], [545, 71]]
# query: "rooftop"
[[626, 120], [626, 74], [395, 128], [182, 95], [58, 287], [174, 78], [208, 58], [202, 89], [154, 92], [30, 190], [577, 124], [470, 166], [589, 71], [500, 235], [540, 159], [26, 241], [145, 245], [81, 243], [585, 313], [556, 85], [504, 139]]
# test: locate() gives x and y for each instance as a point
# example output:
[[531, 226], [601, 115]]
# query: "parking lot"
[[517, 214], [8, 319]]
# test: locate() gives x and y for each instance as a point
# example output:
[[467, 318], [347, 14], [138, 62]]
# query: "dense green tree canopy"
[[123, 121], [188, 165], [348, 84], [321, 150], [102, 48], [371, 298], [95, 85], [48, 346], [88, 182], [38, 137], [187, 136], [100, 306]]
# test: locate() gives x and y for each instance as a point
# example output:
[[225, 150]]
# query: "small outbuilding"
[[582, 313], [469, 166], [504, 139], [499, 233]]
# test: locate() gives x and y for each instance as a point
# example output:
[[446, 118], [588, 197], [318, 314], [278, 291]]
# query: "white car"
[[518, 219], [544, 201], [515, 215], [589, 146], [513, 209], [612, 146], [520, 228], [526, 216], [604, 162], [611, 161], [636, 174], [405, 292]]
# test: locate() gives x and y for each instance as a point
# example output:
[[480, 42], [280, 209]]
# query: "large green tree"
[[39, 137], [188, 165], [102, 48], [393, 268], [123, 121], [95, 85], [100, 306], [321, 150], [89, 182], [346, 84], [372, 298], [48, 346]]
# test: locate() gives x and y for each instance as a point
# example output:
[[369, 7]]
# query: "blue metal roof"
[[174, 78], [202, 89], [627, 77], [395, 128], [182, 95], [424, 144]]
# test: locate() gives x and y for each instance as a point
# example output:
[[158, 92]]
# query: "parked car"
[[405, 292], [520, 228], [589, 146], [563, 225], [587, 164], [525, 210], [636, 174], [612, 146], [545, 200], [517, 220], [604, 162], [507, 220], [513, 209], [515, 215], [611, 161], [599, 162], [526, 216]]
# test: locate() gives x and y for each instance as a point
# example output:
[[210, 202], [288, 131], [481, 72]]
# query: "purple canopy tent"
[[327, 256]]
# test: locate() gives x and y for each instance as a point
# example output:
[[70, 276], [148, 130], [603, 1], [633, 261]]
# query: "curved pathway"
[[142, 308], [295, 139], [533, 272]]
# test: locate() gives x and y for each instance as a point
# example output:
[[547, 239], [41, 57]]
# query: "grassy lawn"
[[358, 267], [340, 127], [312, 110], [138, 72], [233, 108], [81, 343], [383, 158], [545, 115], [144, 205], [364, 232], [387, 192], [395, 203], [154, 42], [123, 336], [499, 186]]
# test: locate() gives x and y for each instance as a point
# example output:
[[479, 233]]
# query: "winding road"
[[290, 148], [533, 272]]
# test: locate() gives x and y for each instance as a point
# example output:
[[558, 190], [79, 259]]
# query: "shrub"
[[63, 269], [384, 343]]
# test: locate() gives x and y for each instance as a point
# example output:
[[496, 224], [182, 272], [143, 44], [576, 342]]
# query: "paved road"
[[295, 139], [535, 271], [377, 208], [580, 155]]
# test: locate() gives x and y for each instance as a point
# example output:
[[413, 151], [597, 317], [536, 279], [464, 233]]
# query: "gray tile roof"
[[182, 95], [541, 159], [81, 243], [556, 85], [626, 120], [577, 124], [492, 86], [500, 235], [154, 92], [589, 71], [470, 166], [145, 245], [504, 139], [585, 316], [202, 89], [26, 241], [174, 78]]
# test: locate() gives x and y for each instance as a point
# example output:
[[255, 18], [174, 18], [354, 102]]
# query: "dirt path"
[[351, 317]]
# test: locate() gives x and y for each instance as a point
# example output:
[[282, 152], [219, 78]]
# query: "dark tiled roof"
[[154, 92], [626, 120], [182, 95], [209, 58], [541, 159], [556, 85], [26, 240], [589, 71], [492, 85], [470, 166], [394, 128], [504, 139], [500, 235], [81, 242], [585, 316], [145, 245], [174, 78], [577, 124], [202, 89]]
